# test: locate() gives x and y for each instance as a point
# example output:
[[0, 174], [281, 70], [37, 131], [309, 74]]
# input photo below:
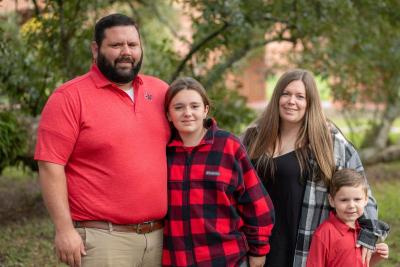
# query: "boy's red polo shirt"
[[334, 244]]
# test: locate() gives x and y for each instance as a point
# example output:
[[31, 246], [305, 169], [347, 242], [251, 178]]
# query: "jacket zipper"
[[186, 186]]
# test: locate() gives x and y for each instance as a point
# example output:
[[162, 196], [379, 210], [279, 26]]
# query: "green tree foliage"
[[227, 31], [230, 109], [356, 44], [38, 54], [42, 53], [158, 22], [343, 39], [12, 140], [51, 46]]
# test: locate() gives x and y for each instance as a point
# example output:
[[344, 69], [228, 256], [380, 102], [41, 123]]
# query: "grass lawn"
[[28, 242], [387, 196], [27, 239], [26, 232]]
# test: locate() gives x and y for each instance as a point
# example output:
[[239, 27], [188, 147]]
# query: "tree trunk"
[[379, 151], [389, 115], [373, 155]]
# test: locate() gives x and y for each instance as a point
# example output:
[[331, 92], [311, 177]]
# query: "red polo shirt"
[[113, 149], [334, 244]]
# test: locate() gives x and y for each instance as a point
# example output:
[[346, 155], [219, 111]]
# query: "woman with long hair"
[[295, 151]]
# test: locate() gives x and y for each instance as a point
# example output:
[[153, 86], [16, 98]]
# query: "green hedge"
[[13, 139]]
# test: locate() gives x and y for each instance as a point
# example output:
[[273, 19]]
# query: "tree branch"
[[37, 9], [77, 8], [197, 47], [217, 71], [165, 21], [134, 12]]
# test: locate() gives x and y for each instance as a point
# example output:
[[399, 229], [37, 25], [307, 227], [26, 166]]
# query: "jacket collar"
[[208, 138]]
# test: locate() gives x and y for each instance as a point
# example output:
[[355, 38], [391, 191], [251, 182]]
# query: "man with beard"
[[101, 155]]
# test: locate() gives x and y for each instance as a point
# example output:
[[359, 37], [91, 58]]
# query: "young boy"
[[334, 241]]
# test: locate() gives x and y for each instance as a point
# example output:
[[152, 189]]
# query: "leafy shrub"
[[13, 139], [230, 110]]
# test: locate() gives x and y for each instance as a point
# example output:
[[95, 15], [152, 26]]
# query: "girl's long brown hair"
[[314, 135]]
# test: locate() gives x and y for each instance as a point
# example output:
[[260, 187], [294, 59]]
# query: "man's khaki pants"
[[106, 248]]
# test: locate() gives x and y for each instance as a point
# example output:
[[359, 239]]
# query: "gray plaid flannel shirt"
[[315, 208]]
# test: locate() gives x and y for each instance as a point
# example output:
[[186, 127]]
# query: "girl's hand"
[[256, 261]]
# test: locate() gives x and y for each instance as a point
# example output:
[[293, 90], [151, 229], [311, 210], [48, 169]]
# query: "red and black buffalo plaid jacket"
[[218, 210]]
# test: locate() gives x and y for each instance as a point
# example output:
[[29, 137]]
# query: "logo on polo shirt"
[[148, 96]]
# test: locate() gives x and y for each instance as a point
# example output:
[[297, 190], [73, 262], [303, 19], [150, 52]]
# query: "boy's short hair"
[[347, 177]]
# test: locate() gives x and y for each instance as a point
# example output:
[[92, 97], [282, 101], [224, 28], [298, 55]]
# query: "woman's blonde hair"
[[314, 134]]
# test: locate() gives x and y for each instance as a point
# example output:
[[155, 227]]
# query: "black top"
[[286, 191]]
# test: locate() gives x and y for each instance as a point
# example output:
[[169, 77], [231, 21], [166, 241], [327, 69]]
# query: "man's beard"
[[111, 72]]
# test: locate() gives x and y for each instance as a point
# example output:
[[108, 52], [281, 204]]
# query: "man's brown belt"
[[140, 228]]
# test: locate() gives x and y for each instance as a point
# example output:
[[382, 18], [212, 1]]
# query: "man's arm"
[[53, 183]]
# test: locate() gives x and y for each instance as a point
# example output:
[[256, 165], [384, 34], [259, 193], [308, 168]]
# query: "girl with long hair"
[[219, 214]]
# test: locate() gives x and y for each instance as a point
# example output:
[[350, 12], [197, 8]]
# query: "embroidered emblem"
[[212, 173], [148, 96]]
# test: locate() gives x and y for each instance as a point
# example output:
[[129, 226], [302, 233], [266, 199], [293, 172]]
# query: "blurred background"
[[236, 48]]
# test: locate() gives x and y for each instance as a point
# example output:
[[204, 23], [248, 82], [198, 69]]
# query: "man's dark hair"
[[112, 21]]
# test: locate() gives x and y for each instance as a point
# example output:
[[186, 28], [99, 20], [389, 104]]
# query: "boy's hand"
[[382, 250], [256, 261]]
